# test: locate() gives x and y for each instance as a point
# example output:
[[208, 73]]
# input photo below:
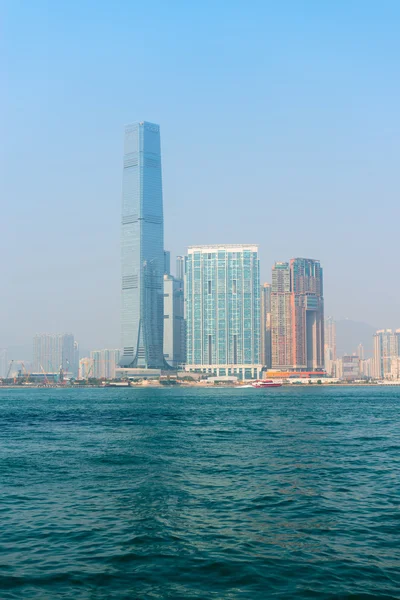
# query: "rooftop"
[[216, 247]]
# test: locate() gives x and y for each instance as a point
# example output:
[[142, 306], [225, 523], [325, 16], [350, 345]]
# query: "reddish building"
[[297, 320]]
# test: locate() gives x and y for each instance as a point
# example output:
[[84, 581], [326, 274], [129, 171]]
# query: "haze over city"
[[200, 316], [279, 126]]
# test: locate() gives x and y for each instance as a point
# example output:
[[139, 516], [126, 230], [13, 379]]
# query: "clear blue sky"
[[280, 126]]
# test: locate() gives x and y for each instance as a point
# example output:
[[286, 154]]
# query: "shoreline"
[[191, 385]]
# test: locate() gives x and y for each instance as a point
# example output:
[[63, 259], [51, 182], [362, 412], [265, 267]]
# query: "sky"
[[279, 126]]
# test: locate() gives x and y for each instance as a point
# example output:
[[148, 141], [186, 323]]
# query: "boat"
[[262, 383], [266, 383]]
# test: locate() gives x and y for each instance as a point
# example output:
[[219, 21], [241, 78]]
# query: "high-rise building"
[[53, 352], [360, 352], [222, 294], [142, 242], [174, 322], [180, 267], [386, 350], [281, 328], [167, 262], [265, 334], [366, 368], [75, 370], [98, 364], [330, 345], [330, 336], [111, 361], [395, 368], [46, 353], [104, 363], [308, 314], [297, 330], [3, 362], [68, 354]]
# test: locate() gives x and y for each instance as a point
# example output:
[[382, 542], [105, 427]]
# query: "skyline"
[[200, 299], [318, 157]]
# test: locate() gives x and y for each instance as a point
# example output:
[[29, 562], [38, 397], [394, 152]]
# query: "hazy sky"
[[279, 126]]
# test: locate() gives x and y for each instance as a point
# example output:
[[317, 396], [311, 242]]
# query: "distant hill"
[[349, 334]]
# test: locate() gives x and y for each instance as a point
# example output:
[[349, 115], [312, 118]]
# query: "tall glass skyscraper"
[[142, 245], [222, 293]]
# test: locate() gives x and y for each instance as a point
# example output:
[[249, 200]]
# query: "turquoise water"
[[165, 493]]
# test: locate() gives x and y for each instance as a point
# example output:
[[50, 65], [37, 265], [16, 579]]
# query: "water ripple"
[[181, 494]]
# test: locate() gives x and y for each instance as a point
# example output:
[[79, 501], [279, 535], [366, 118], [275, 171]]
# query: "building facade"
[[174, 322], [308, 313], [395, 369], [349, 368], [167, 262], [281, 330], [366, 368], [55, 352], [180, 267], [222, 298], [360, 351], [3, 362], [297, 319], [142, 251], [104, 363], [265, 333], [75, 369], [330, 346], [386, 351]]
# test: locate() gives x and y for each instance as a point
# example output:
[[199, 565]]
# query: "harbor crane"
[[27, 375], [46, 381]]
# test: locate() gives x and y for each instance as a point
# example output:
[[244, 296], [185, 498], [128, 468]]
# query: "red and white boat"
[[262, 383], [266, 383]]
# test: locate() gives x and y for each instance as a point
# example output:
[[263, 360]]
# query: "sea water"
[[200, 493]]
